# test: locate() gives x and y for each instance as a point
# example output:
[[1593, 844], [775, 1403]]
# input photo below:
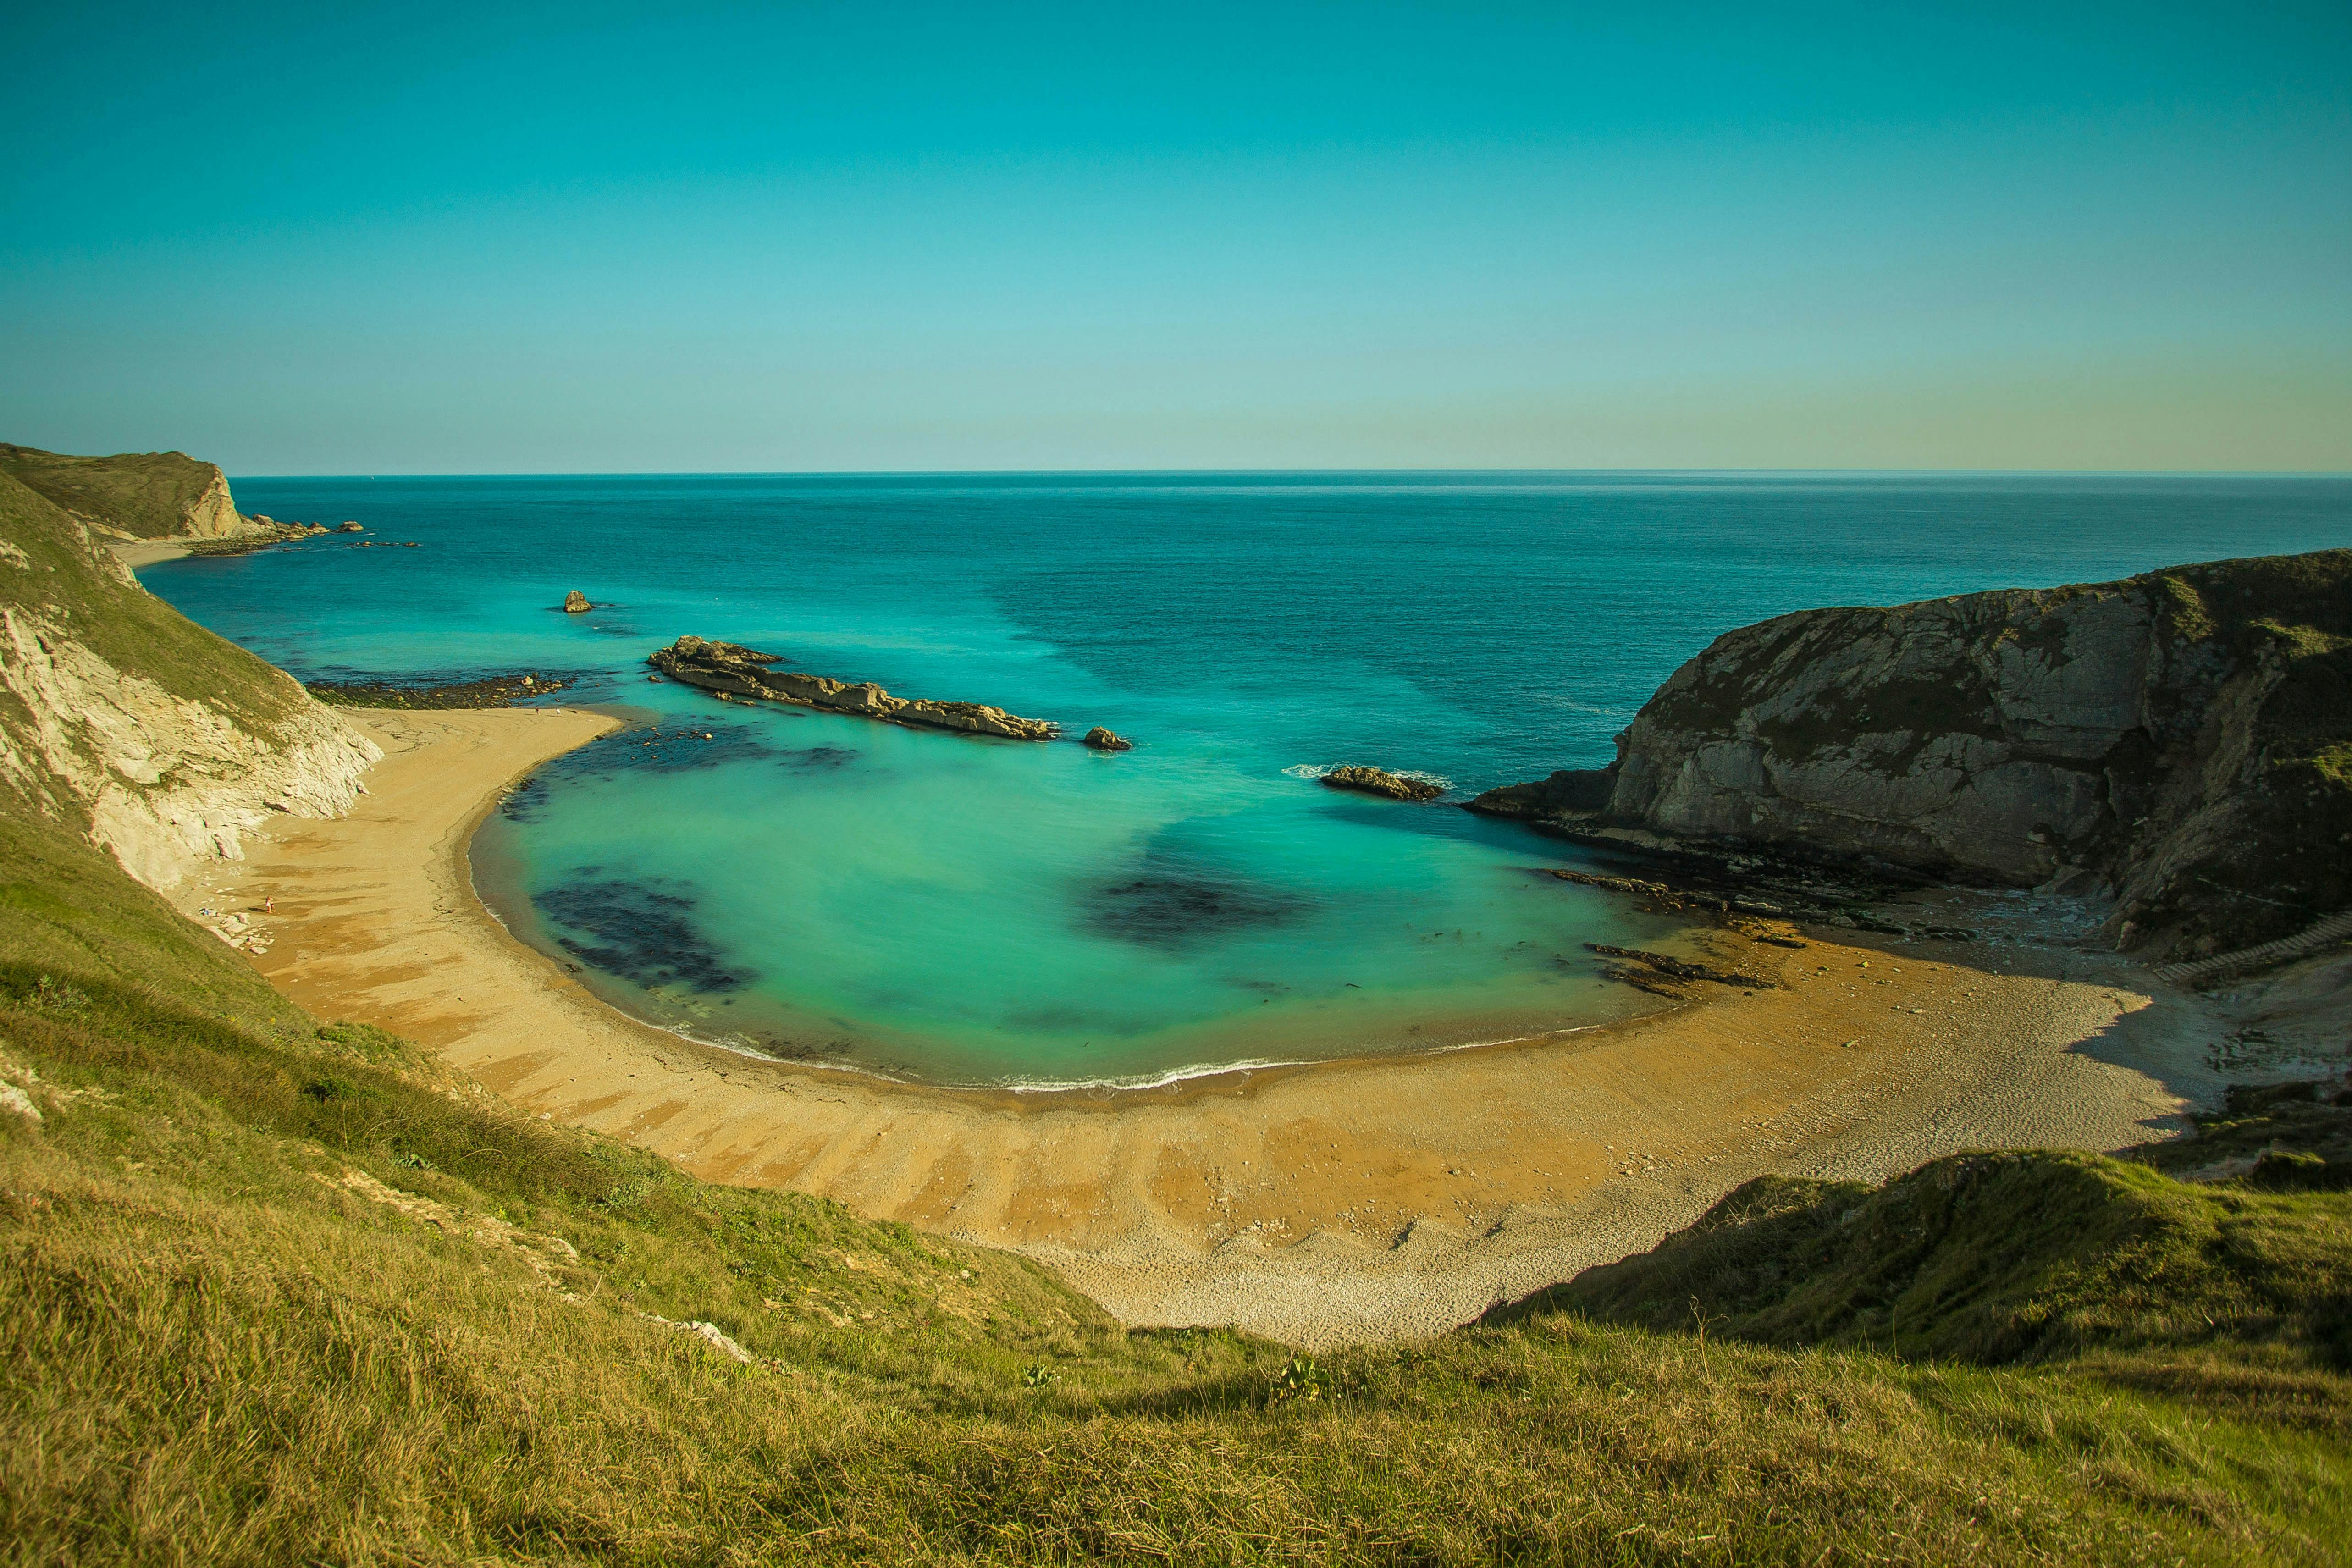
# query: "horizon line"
[[1287, 473]]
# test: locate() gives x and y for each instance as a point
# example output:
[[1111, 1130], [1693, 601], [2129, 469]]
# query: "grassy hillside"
[[49, 573], [2005, 1257], [148, 495], [271, 1292]]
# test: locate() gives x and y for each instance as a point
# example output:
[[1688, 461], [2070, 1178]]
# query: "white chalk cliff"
[[163, 769]]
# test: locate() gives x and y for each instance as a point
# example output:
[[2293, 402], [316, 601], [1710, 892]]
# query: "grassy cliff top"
[[145, 494]]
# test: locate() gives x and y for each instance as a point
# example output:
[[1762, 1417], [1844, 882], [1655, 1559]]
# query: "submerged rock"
[[576, 603], [1381, 782], [1102, 740], [1569, 790], [731, 668]]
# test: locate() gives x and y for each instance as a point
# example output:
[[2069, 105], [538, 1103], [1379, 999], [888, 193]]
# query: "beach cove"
[[1347, 1200]]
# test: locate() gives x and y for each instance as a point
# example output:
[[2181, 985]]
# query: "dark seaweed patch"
[[1051, 1020], [1171, 907], [688, 748], [640, 932], [816, 758], [682, 748], [526, 802]]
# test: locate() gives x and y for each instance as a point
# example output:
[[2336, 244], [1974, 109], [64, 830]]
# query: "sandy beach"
[[138, 552], [1346, 1201]]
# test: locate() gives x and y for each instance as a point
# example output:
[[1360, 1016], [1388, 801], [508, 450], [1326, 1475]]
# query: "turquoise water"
[[979, 912]]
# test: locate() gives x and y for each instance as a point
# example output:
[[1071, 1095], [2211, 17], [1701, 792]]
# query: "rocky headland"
[[734, 671], [2179, 742], [139, 732], [136, 495], [1381, 782]]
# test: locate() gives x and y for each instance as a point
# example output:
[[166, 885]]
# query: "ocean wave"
[[1317, 769], [1145, 1081], [1161, 1080]]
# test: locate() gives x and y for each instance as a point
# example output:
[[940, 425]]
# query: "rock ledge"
[[732, 670], [1381, 782]]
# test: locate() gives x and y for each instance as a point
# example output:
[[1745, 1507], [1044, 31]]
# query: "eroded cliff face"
[[163, 744], [2182, 740], [134, 495], [212, 512]]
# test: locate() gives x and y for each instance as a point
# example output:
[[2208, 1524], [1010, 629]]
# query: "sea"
[[957, 910]]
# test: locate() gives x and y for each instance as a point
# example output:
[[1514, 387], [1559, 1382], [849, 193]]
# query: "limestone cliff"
[[2182, 740], [120, 717], [133, 495]]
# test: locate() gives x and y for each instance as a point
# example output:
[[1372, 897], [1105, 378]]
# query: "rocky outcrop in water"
[[121, 718], [2181, 741], [576, 603], [1101, 740], [1381, 782], [732, 670], [1569, 790]]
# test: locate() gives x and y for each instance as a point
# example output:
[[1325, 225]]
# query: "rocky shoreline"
[[483, 691], [733, 670]]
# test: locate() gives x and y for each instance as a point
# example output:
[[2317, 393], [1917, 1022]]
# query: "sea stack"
[[1381, 782], [1101, 740], [576, 603]]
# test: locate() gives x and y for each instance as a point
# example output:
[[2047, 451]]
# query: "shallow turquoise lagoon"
[[979, 912]]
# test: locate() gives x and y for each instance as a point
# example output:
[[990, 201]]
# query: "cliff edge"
[[165, 766], [2182, 740], [133, 495]]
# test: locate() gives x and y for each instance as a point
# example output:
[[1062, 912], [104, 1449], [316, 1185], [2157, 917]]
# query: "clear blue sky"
[[582, 238]]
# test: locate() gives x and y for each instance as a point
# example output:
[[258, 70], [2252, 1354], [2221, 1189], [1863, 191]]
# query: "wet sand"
[[1349, 1201]]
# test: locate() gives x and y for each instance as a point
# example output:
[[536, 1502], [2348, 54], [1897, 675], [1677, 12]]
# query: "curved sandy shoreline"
[[1342, 1201]]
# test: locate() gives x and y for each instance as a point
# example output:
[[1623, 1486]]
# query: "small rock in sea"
[[576, 603], [351, 528], [1381, 782], [1102, 740]]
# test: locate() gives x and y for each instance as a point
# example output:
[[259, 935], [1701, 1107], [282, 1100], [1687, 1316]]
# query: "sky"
[[590, 239]]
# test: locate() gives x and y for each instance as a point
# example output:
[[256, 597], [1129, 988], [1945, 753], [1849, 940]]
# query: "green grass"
[[145, 494], [2004, 1257], [275, 1293], [64, 584]]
